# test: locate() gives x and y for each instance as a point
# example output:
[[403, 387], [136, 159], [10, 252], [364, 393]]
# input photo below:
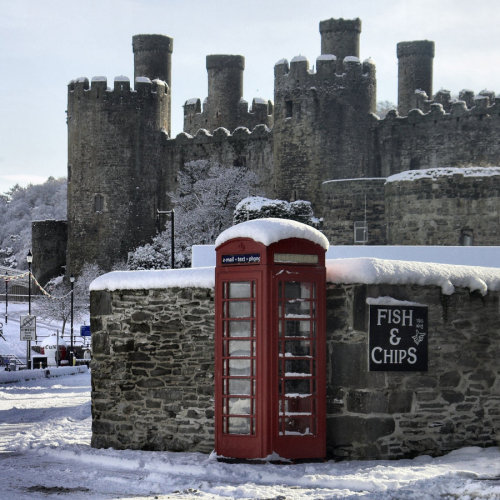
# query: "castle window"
[[288, 109], [69, 173], [98, 203], [360, 232], [466, 237]]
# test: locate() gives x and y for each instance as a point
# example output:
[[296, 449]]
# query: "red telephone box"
[[270, 373]]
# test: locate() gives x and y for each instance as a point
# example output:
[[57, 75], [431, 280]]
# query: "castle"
[[320, 141]]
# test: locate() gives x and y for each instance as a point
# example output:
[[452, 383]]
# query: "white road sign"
[[28, 327]]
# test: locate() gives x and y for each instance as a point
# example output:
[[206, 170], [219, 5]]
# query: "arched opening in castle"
[[318, 140]]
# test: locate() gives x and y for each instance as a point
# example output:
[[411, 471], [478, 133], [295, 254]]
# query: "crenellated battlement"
[[437, 113], [259, 132], [98, 88], [297, 72], [466, 98]]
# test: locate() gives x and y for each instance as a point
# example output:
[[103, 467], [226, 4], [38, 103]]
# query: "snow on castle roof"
[[271, 230]]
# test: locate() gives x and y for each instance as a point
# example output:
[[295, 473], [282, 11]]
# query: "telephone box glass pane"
[[240, 328], [239, 425], [298, 367], [240, 309], [240, 406], [239, 386], [297, 328], [297, 426], [240, 348], [296, 406], [240, 290], [240, 367], [297, 348]]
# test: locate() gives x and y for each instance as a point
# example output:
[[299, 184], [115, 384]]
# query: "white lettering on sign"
[[393, 356], [395, 317]]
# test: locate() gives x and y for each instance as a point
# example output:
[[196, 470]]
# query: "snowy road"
[[45, 453]]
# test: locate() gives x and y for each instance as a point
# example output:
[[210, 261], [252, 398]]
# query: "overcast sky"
[[45, 44]]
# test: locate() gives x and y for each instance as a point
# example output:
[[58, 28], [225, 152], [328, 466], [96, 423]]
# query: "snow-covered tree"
[[383, 107], [18, 208], [57, 305], [204, 201], [257, 207]]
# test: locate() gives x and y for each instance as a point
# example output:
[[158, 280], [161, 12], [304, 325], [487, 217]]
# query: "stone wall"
[[455, 403], [350, 200], [439, 139], [152, 369], [152, 373], [443, 210]]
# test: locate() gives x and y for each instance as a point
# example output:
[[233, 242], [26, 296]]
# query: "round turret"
[[225, 89], [340, 37], [414, 72], [153, 57]]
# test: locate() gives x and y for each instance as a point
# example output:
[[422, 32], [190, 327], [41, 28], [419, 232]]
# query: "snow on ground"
[[45, 432], [11, 344]]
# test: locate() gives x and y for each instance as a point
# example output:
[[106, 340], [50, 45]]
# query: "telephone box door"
[[300, 365]]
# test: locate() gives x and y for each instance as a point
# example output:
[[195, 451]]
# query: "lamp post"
[[29, 259], [172, 227], [72, 281]]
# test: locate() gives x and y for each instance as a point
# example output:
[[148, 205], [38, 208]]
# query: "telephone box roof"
[[271, 230]]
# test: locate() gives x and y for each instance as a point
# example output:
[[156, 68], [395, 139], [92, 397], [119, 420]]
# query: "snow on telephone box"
[[270, 367]]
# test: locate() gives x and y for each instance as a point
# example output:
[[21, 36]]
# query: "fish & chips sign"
[[398, 338]]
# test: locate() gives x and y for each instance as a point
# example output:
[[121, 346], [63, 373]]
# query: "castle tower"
[[153, 59], [322, 121], [340, 37], [115, 178], [415, 61], [225, 106], [225, 89]]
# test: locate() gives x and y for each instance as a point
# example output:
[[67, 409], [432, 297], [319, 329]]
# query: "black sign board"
[[247, 258], [398, 338]]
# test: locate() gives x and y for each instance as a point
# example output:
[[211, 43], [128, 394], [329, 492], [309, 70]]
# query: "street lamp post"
[[172, 228], [72, 281], [29, 259]]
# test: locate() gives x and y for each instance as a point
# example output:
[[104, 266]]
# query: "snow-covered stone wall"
[[153, 364]]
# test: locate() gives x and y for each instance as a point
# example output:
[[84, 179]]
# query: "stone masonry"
[[152, 373], [152, 369], [455, 403]]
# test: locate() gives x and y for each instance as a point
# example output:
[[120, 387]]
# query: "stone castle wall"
[[350, 200], [49, 239], [438, 139], [152, 373], [322, 124], [245, 148], [114, 168], [443, 210]]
